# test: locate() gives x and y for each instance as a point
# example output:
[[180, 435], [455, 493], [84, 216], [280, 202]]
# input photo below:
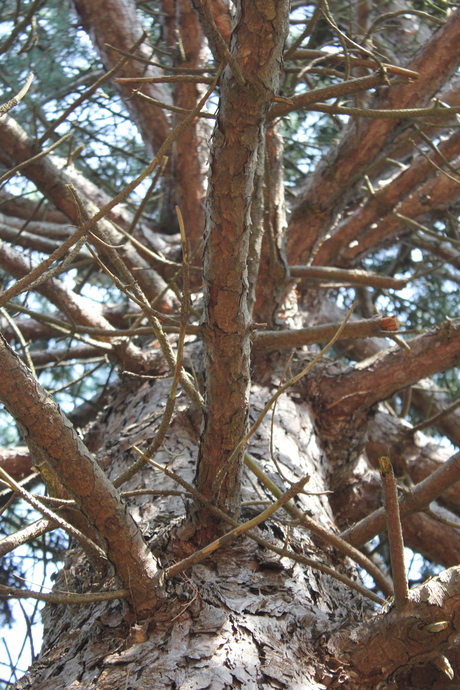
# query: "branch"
[[317, 529], [328, 188], [277, 340], [26, 535], [417, 500], [424, 628], [19, 96], [203, 553], [395, 538], [118, 25], [257, 43], [312, 99], [52, 438], [53, 181], [354, 276], [284, 553], [335, 59], [68, 598], [87, 543], [382, 203], [437, 350]]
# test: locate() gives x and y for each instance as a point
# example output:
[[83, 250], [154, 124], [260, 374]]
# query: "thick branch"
[[340, 397], [326, 190], [278, 340], [390, 644], [52, 438], [257, 45]]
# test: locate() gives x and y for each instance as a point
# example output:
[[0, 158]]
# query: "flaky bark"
[[322, 198], [53, 440], [257, 43]]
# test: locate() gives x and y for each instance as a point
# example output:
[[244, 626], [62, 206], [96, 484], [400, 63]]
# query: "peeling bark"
[[257, 42]]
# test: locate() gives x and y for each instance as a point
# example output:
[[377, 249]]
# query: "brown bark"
[[354, 392], [16, 461], [52, 439], [391, 197], [257, 44], [51, 179], [319, 203], [115, 22], [188, 168]]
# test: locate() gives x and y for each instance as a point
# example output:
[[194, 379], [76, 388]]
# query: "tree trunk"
[[176, 577]]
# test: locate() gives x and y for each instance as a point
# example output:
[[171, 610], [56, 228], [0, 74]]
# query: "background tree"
[[194, 194]]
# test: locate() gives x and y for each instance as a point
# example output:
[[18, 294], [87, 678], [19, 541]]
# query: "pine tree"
[[229, 257]]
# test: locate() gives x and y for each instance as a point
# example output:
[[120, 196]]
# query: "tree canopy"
[[229, 261]]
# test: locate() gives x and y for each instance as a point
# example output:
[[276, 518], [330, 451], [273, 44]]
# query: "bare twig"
[[286, 553], [167, 106], [25, 535], [89, 92], [203, 553], [395, 537], [24, 164], [234, 455], [64, 597], [435, 418], [20, 285], [20, 26], [170, 403], [173, 78], [350, 275], [35, 503], [417, 499], [314, 527], [216, 41]]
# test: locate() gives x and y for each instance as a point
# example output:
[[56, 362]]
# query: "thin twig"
[[21, 339], [89, 92], [216, 40], [34, 159], [395, 536], [19, 96], [143, 204], [306, 32], [166, 106], [65, 597], [350, 275], [435, 111], [73, 531], [435, 418], [170, 403], [21, 284], [20, 26], [145, 61], [314, 527], [174, 78], [25, 535], [309, 562], [233, 456], [203, 553]]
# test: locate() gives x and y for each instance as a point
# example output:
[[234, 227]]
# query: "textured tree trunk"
[[244, 618], [283, 604]]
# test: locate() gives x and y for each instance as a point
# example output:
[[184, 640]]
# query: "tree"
[[144, 225]]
